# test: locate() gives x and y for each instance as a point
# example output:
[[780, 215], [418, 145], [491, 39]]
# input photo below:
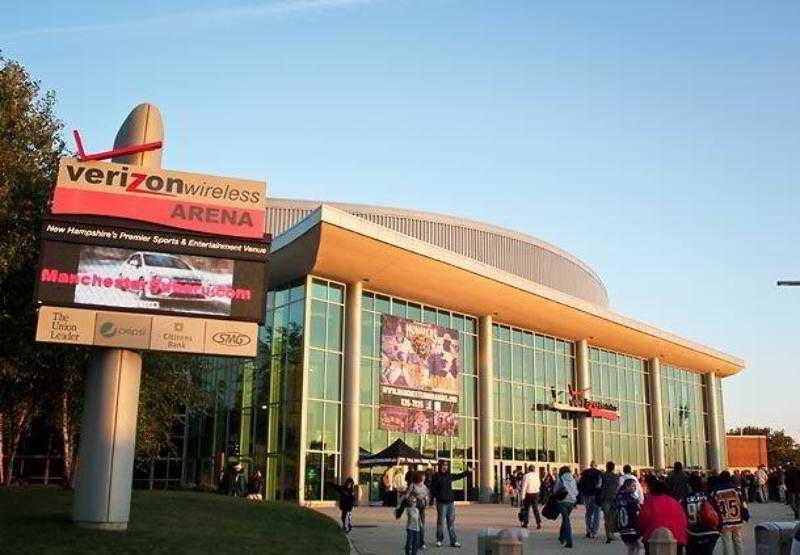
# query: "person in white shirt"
[[627, 474], [531, 484]]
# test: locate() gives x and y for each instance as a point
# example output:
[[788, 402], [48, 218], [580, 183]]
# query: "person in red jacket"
[[660, 510]]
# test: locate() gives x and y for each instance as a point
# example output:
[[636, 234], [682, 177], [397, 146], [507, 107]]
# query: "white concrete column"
[[111, 402], [486, 414], [656, 414], [584, 382], [715, 436], [352, 381]]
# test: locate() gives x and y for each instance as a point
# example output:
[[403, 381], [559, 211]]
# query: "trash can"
[[774, 538]]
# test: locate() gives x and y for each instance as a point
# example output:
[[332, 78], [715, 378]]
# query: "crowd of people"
[[698, 509]]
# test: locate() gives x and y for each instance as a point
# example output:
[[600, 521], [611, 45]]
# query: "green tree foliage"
[[40, 380], [781, 448], [171, 385], [33, 378]]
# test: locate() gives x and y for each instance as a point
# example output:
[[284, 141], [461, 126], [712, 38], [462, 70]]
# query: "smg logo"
[[231, 339]]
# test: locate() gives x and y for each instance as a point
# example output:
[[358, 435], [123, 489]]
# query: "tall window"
[[620, 380], [324, 389], [459, 449], [531, 370], [682, 397], [277, 390]]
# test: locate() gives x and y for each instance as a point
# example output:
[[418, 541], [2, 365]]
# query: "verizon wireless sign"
[[180, 200], [145, 258]]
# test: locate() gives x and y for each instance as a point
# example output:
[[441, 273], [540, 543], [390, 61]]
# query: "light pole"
[[785, 283]]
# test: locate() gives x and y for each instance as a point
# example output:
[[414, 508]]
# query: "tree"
[[781, 448], [42, 380], [170, 384], [30, 147]]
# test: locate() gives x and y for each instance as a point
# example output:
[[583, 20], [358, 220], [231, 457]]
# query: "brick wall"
[[746, 451]]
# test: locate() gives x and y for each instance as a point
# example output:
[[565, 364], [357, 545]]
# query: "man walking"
[[442, 490], [678, 483], [793, 489], [762, 478], [589, 487], [608, 493], [530, 486], [733, 513]]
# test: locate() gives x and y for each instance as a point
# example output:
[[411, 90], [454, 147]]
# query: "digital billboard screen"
[[140, 277], [419, 383]]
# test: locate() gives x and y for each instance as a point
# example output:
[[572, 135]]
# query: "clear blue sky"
[[660, 142]]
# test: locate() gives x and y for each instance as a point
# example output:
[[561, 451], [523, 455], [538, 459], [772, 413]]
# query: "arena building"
[[548, 374]]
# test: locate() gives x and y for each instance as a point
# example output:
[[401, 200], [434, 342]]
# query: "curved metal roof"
[[505, 249]]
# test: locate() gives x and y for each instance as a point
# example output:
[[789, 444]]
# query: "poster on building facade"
[[419, 387]]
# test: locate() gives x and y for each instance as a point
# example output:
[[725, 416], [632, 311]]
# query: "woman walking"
[[565, 491]]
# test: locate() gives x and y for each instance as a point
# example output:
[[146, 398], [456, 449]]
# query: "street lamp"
[[785, 283]]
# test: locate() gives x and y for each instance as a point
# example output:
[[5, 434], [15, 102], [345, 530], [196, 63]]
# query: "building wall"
[[685, 418], [528, 367], [621, 380], [282, 412], [461, 449], [746, 451]]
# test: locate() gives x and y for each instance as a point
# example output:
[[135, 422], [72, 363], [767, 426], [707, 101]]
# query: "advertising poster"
[[419, 387]]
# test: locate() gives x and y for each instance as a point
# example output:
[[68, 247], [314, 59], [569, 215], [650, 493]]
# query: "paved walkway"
[[376, 532]]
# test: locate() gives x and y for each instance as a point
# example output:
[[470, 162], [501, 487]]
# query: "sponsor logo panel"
[[231, 338], [65, 325], [120, 329], [171, 333]]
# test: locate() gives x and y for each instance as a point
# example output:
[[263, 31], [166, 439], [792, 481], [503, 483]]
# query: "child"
[[413, 524], [627, 512], [347, 498]]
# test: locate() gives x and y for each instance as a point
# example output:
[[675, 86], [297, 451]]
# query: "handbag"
[[550, 510]]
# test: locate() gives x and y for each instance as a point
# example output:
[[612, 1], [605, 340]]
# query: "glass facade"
[[460, 449], [323, 388], [282, 411], [620, 380], [529, 369], [684, 414], [280, 360]]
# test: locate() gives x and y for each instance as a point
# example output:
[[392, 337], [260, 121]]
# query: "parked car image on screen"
[[154, 267]]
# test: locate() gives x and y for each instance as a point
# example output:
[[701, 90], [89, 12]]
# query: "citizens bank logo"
[[231, 338]]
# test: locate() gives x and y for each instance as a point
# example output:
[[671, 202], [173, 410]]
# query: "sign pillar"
[[715, 435], [486, 402], [584, 421], [352, 378], [656, 414], [108, 438]]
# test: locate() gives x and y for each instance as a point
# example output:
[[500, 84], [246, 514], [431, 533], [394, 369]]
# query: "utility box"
[[507, 541], [485, 539], [774, 538]]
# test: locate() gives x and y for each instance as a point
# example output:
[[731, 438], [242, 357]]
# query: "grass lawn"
[[37, 520]]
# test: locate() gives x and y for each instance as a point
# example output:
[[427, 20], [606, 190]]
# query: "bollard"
[[662, 542], [774, 538], [507, 542]]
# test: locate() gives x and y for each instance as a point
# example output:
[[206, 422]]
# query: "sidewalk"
[[376, 532]]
